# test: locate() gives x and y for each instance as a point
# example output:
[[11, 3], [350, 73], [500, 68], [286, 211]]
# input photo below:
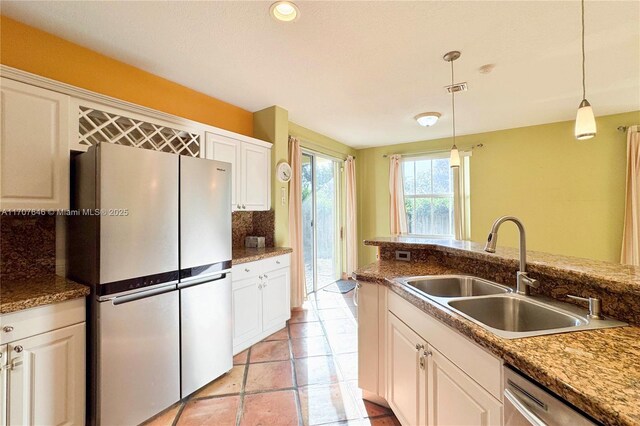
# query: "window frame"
[[451, 195]]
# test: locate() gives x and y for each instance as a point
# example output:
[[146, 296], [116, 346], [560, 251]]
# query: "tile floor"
[[304, 374]]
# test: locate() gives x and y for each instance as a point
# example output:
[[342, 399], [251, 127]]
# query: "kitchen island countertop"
[[595, 370]]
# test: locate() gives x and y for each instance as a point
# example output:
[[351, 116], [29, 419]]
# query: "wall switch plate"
[[283, 196], [403, 255]]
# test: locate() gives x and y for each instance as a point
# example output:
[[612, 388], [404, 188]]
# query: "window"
[[428, 195]]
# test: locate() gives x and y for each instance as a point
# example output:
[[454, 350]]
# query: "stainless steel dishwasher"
[[528, 403]]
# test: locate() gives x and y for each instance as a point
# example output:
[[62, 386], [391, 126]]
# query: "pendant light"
[[585, 121], [454, 159]]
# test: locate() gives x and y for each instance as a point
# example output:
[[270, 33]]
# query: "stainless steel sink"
[[455, 286], [515, 314], [498, 309]]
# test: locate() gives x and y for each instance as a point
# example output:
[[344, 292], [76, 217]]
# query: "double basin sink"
[[499, 310]]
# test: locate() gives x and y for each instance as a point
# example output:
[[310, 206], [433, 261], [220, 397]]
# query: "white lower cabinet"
[[275, 303], [260, 299], [434, 375], [43, 376], [406, 390], [453, 398]]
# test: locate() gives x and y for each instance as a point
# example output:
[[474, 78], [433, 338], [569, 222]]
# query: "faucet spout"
[[523, 280]]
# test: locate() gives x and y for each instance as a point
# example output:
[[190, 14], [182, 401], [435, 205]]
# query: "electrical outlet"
[[283, 196]]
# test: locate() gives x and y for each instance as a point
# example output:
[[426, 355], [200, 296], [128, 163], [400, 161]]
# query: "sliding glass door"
[[321, 220]]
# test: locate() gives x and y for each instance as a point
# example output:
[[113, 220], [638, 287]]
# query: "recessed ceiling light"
[[285, 11], [427, 119]]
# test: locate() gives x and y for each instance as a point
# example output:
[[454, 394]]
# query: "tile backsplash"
[[258, 224], [27, 246], [28, 243]]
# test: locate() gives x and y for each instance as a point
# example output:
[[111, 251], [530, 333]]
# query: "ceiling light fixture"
[[285, 11], [585, 121], [427, 119], [454, 159]]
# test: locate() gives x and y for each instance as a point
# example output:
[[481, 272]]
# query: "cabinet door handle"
[[18, 349], [419, 346], [277, 262], [428, 353], [7, 328], [265, 275], [247, 270], [422, 363]]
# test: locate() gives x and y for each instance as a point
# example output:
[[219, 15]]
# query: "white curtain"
[[461, 198], [631, 234], [295, 224], [397, 214], [352, 229]]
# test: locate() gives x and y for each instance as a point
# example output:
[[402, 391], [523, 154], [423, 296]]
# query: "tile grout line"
[[296, 392], [242, 391]]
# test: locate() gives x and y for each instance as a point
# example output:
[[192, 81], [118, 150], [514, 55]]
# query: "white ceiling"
[[359, 71]]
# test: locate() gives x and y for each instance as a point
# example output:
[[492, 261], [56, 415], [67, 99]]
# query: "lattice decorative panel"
[[99, 126]]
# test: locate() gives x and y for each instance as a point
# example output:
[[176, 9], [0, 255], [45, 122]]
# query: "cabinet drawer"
[[245, 270], [477, 363], [42, 319], [273, 263]]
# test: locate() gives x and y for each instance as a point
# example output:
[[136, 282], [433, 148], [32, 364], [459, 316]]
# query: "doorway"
[[321, 220]]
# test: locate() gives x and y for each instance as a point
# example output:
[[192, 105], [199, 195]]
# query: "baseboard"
[[376, 399], [250, 342]]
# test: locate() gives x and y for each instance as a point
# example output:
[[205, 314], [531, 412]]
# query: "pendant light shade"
[[585, 121], [454, 158]]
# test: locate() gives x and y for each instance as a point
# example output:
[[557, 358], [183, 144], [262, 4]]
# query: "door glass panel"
[[327, 222], [307, 220]]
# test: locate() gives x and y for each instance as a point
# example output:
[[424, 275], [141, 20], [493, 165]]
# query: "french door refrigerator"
[[205, 264], [127, 245]]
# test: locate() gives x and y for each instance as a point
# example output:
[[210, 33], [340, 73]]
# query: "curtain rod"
[[412, 154], [625, 128], [341, 155]]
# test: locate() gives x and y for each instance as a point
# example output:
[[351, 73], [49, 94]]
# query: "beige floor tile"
[[213, 411], [327, 403], [275, 350], [269, 376], [166, 418], [316, 370], [270, 408], [310, 346], [306, 329], [230, 383]]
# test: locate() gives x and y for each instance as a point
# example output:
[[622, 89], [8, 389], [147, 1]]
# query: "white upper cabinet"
[[34, 147], [255, 182], [225, 149], [252, 169]]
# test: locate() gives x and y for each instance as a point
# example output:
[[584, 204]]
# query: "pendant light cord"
[[453, 105], [584, 90]]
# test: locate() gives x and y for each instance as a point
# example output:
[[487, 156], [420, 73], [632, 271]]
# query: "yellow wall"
[[318, 142], [272, 125], [569, 194], [41, 53]]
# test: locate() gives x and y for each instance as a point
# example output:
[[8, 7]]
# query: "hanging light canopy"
[[454, 159], [585, 120]]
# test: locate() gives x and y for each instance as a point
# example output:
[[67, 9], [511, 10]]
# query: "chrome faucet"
[[523, 282]]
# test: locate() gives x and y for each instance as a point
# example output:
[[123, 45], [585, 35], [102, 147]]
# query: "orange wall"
[[38, 52]]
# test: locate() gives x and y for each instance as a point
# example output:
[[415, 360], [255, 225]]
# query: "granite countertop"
[[595, 370], [608, 275], [16, 295], [244, 255]]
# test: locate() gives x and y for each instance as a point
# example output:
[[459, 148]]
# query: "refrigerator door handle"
[[202, 280], [119, 300]]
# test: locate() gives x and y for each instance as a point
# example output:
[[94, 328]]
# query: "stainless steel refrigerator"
[[153, 240]]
